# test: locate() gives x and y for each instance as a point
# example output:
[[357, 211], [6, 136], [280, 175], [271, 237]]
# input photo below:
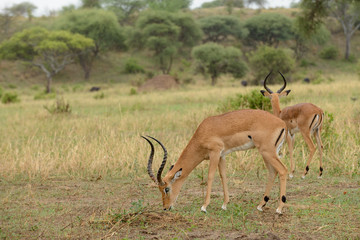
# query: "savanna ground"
[[83, 175]]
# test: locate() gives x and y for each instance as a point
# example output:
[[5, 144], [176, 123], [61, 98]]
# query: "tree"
[[23, 9], [266, 59], [50, 51], [124, 9], [219, 28], [168, 5], [347, 12], [302, 41], [269, 28], [164, 33], [91, 3], [100, 25], [214, 59]]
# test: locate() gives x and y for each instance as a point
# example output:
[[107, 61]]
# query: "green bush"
[[133, 91], [60, 106], [266, 59], [131, 66], [10, 97], [99, 96], [252, 100], [1, 91], [329, 52]]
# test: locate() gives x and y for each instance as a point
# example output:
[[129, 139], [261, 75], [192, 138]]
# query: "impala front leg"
[[222, 171], [214, 161]]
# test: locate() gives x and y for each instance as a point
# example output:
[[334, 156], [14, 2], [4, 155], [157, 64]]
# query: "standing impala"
[[218, 136], [305, 118]]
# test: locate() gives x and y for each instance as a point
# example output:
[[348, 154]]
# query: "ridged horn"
[[163, 162], [267, 89], [283, 87], [149, 167]]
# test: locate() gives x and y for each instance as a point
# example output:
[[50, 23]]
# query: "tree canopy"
[[51, 51], [269, 28], [219, 28], [214, 59], [164, 33], [100, 25]]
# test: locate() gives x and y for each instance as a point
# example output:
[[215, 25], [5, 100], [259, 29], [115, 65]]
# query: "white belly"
[[246, 146]]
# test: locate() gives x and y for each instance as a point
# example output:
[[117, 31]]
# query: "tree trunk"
[[213, 80], [347, 46], [48, 85]]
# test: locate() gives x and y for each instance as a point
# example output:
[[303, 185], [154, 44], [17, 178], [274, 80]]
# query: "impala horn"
[[283, 87], [267, 89], [157, 180], [149, 167]]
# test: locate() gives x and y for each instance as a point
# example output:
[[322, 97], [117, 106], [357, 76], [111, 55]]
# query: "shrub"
[[99, 96], [329, 52], [60, 106], [266, 59], [1, 91], [133, 91], [253, 100], [131, 66], [10, 97]]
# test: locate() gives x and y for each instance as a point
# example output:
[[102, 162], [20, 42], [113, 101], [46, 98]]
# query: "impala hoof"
[[259, 208], [224, 207], [319, 177], [278, 211], [303, 176], [203, 209], [291, 175]]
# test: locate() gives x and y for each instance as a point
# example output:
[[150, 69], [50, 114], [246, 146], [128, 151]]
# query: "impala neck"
[[275, 103], [188, 160]]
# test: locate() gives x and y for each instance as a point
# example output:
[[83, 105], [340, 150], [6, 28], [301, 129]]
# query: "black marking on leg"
[[282, 130], [312, 121], [321, 171], [266, 198], [249, 137], [283, 199], [307, 168]]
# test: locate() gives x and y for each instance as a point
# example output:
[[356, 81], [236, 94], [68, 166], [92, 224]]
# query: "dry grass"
[[101, 137]]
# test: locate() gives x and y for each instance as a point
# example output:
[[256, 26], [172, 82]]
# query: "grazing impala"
[[218, 136], [305, 118]]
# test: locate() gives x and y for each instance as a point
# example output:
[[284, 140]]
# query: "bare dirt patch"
[[161, 82]]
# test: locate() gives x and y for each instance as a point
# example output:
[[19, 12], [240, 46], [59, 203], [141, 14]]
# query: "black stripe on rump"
[[312, 121], [282, 130]]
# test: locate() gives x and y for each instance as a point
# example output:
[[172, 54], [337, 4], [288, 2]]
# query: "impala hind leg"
[[320, 148], [214, 161], [275, 166], [222, 171], [290, 139], [312, 149], [271, 179]]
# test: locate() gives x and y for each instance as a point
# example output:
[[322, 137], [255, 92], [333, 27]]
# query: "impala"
[[305, 118], [216, 137]]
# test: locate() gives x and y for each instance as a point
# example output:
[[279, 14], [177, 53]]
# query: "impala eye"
[[167, 190]]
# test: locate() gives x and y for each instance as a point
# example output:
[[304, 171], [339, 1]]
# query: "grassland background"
[[85, 172]]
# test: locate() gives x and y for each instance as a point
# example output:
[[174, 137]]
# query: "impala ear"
[[265, 93], [177, 175], [284, 93]]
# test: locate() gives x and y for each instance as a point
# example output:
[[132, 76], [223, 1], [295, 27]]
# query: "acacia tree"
[[214, 59], [269, 28], [50, 51], [347, 12], [219, 28], [164, 33], [100, 25], [124, 9], [23, 9]]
